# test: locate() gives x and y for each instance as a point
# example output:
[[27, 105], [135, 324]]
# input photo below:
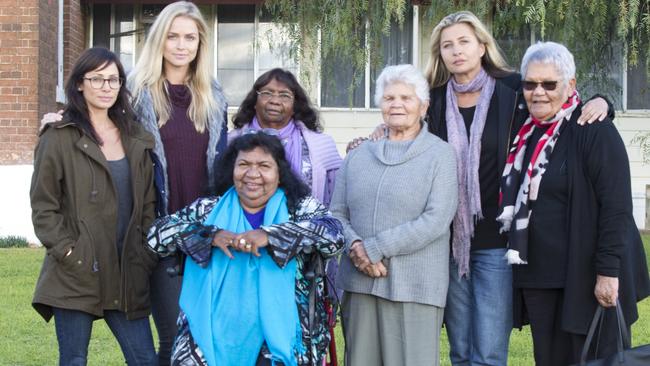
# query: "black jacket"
[[603, 238], [511, 112]]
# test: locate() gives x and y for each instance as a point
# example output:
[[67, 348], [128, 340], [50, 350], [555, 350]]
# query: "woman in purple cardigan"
[[278, 105]]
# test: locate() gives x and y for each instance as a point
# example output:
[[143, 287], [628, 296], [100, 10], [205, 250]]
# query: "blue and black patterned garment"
[[311, 235]]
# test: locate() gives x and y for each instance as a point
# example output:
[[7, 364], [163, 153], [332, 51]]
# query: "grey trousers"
[[382, 332]]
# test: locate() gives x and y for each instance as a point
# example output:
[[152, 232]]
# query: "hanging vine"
[[352, 30], [349, 30]]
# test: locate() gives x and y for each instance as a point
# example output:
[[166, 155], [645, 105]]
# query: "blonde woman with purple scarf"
[[477, 106]]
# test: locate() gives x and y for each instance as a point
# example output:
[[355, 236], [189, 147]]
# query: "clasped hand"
[[247, 242], [362, 262]]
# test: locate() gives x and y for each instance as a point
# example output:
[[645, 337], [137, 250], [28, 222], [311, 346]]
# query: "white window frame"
[[624, 90], [415, 39], [256, 44], [60, 89], [137, 9]]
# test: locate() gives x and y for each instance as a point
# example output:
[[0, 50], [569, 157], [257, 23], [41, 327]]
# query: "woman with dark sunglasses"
[[567, 208], [477, 106]]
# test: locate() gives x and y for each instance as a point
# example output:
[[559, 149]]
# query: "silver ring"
[[248, 246]]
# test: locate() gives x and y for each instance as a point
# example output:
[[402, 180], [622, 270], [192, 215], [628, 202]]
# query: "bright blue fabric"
[[234, 305]]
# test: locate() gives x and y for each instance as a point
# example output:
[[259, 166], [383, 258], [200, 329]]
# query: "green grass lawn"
[[28, 340]]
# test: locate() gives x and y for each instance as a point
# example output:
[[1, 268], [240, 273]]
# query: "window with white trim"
[[114, 27], [248, 44], [336, 74]]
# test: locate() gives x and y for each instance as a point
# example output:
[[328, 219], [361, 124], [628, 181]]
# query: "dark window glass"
[[235, 50], [638, 87], [101, 25], [397, 48], [123, 28], [336, 81], [336, 78]]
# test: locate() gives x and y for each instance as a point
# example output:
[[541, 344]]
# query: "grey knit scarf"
[[468, 155]]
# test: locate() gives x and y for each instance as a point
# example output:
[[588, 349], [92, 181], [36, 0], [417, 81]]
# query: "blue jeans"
[[165, 289], [478, 315], [73, 328]]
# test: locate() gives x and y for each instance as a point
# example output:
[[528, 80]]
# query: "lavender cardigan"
[[325, 160]]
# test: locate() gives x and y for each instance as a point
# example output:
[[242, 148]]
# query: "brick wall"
[[74, 40], [28, 75], [47, 59], [18, 79]]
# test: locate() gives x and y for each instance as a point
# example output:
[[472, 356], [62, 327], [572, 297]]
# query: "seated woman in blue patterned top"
[[241, 304]]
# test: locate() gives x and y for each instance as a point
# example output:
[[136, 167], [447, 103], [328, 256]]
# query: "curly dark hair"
[[302, 108], [76, 109], [294, 188]]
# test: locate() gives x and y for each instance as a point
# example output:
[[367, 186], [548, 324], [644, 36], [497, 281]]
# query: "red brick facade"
[[28, 75]]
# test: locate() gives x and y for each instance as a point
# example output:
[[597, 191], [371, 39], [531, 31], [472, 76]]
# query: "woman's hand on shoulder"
[[51, 118], [595, 109], [377, 134], [356, 142]]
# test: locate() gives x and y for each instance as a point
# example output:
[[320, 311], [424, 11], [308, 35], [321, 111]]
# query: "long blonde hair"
[[148, 72], [492, 61]]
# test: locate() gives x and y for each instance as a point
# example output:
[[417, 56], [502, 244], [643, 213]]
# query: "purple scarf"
[[468, 155], [290, 137]]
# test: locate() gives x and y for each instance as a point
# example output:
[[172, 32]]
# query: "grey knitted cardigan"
[[400, 205]]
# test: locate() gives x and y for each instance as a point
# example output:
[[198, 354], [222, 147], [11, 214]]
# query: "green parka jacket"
[[74, 206]]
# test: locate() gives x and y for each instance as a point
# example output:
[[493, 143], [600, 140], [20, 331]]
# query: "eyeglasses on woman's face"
[[97, 82], [266, 95], [532, 85]]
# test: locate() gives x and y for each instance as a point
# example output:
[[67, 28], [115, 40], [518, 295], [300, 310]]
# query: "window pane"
[[336, 79], [514, 44], [101, 25], [274, 50], [123, 27], [638, 88], [607, 80], [235, 54], [397, 48]]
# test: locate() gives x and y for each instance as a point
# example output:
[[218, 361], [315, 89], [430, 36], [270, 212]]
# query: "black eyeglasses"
[[532, 85], [97, 82]]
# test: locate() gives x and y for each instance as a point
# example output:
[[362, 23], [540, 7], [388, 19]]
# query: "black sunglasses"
[[532, 85]]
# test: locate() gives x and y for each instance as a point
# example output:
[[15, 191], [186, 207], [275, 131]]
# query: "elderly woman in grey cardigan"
[[396, 198]]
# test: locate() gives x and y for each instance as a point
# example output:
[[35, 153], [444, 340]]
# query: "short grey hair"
[[405, 73], [550, 53]]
